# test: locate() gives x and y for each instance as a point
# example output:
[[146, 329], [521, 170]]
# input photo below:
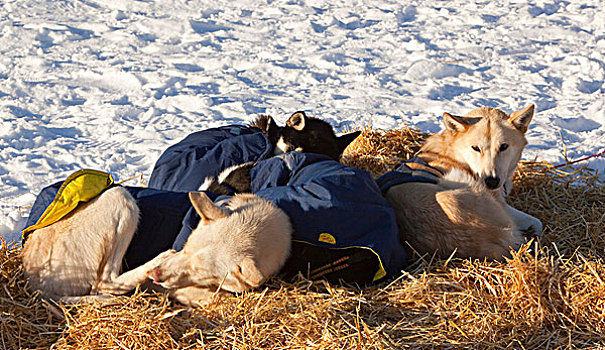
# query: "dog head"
[[236, 248], [312, 135], [489, 142]]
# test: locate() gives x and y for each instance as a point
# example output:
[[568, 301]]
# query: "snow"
[[110, 84]]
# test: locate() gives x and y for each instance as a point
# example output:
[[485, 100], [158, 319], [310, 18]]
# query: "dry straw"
[[549, 295]]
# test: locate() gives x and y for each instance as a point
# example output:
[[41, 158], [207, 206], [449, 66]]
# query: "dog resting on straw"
[[236, 247], [451, 196], [101, 247]]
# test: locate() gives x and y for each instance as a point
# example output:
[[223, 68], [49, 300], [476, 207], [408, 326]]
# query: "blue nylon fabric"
[[393, 178], [402, 173], [321, 195], [185, 165], [164, 217]]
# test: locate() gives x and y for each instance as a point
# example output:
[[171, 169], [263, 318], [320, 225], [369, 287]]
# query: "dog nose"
[[492, 182], [530, 232]]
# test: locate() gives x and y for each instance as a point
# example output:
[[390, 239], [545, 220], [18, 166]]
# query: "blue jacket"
[[185, 165], [330, 205]]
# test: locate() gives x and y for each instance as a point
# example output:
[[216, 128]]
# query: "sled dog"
[[236, 248], [464, 210], [312, 135], [301, 134]]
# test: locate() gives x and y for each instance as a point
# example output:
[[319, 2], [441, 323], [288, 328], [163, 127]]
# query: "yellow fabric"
[[327, 238], [81, 186]]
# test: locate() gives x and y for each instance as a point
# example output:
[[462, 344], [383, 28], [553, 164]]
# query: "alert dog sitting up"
[[235, 248], [460, 205]]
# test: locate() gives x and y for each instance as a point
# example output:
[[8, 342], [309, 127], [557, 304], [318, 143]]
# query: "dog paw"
[[154, 275], [152, 267], [160, 258]]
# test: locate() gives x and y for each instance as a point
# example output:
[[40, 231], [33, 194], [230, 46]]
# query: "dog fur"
[[234, 179], [301, 134], [466, 212], [79, 257], [268, 126], [237, 254], [312, 135]]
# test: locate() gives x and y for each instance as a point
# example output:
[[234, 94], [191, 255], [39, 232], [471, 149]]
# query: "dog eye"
[[476, 149], [503, 147]]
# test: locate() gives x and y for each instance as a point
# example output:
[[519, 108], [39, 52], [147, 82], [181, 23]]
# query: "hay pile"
[[550, 296]]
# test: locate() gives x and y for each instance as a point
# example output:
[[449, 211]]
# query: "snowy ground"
[[110, 84]]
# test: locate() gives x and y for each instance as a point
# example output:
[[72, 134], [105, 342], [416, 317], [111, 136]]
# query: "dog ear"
[[247, 272], [271, 127], [272, 130], [454, 123], [346, 139], [520, 119], [207, 210], [297, 121]]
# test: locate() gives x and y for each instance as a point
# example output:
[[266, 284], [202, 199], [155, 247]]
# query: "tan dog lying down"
[[238, 248], [466, 212]]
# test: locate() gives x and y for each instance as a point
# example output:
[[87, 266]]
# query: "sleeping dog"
[[234, 248]]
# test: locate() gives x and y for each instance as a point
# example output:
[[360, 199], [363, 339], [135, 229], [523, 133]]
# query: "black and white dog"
[[301, 134]]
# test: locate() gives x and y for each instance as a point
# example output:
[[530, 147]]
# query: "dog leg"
[[123, 283], [129, 280], [196, 296], [119, 239], [527, 224], [83, 299]]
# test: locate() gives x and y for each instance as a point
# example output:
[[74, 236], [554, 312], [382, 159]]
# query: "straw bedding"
[[549, 295]]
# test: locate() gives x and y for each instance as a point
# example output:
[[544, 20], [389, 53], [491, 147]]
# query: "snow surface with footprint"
[[110, 84]]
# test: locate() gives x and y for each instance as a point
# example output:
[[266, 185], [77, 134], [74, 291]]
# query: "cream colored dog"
[[466, 211], [237, 248]]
